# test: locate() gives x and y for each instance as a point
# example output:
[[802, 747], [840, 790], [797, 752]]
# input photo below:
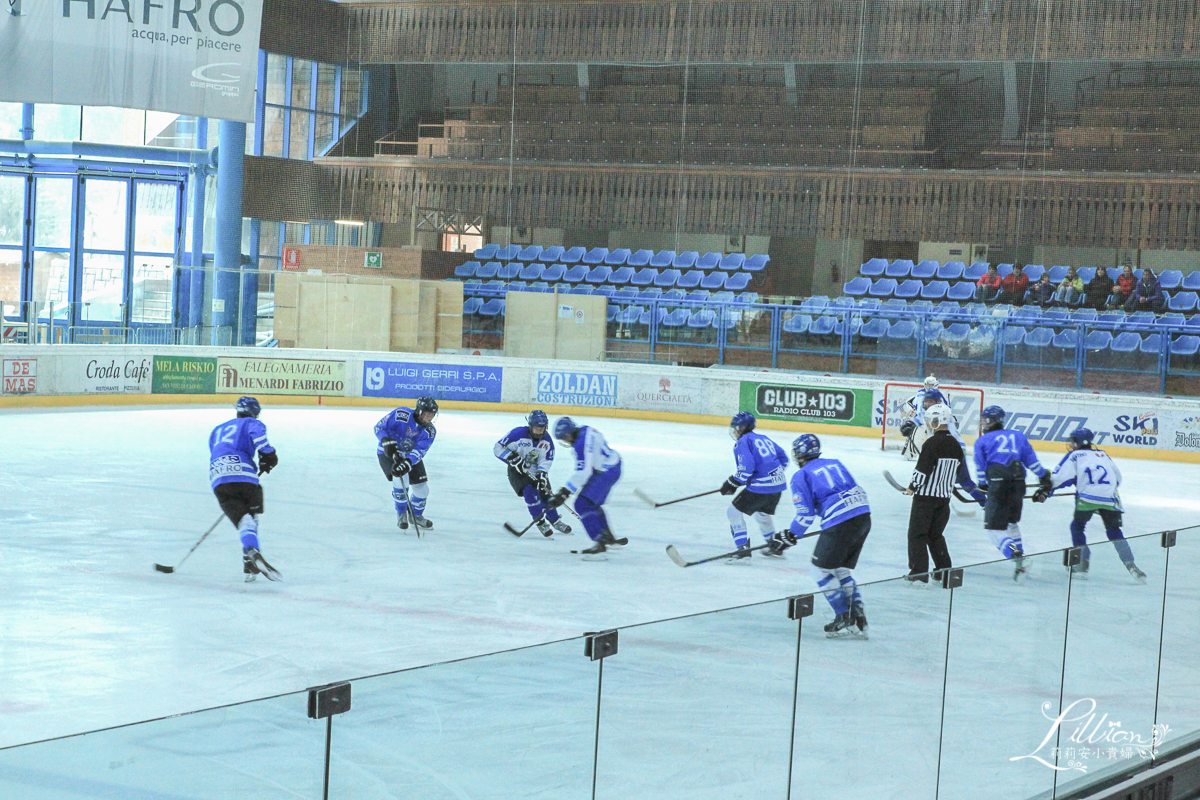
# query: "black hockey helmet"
[[426, 404]]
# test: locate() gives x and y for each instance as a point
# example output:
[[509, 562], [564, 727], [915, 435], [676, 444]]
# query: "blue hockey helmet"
[[565, 427], [248, 406], [806, 447], [537, 419], [742, 423], [994, 415], [1082, 437]]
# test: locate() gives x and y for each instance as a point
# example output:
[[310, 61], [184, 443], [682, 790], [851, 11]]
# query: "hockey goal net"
[[965, 402]]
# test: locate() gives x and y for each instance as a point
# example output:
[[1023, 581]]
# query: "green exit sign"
[[373, 260]]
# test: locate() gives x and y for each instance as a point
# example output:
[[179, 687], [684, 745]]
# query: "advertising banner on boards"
[[822, 404], [184, 375], [439, 381], [120, 375], [280, 376], [655, 392], [195, 57], [563, 388]]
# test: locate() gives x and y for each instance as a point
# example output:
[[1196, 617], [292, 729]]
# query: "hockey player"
[[234, 477], [940, 465], [761, 468], [1097, 480], [405, 436], [1001, 458], [597, 468], [912, 413], [529, 453], [824, 487]]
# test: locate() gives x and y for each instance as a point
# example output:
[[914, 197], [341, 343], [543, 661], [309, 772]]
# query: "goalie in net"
[[912, 425]]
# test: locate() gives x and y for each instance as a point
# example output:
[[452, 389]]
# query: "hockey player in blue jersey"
[[234, 476], [1001, 459], [762, 470], [529, 452], [824, 488], [1097, 480], [597, 468], [405, 436]]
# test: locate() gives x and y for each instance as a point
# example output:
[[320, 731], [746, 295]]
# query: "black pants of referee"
[[926, 523]]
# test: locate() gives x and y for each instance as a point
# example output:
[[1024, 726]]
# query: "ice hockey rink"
[[93, 637]]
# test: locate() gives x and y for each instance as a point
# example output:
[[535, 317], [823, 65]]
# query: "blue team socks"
[[834, 593]]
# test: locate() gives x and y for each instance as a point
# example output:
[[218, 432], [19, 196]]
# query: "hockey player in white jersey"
[[597, 468], [913, 426], [1097, 481]]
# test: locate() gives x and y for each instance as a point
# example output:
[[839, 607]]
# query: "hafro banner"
[[196, 57]]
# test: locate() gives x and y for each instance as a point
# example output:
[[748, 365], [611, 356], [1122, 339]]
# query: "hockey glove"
[[401, 466], [389, 448], [543, 484], [559, 498], [1047, 483], [729, 487], [1040, 496], [907, 428], [515, 461], [785, 538], [267, 461]]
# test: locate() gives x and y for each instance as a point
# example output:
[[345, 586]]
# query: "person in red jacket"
[[988, 285], [1012, 288], [1126, 282]]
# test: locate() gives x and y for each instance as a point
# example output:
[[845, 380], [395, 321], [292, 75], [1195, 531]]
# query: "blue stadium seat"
[[702, 318], [934, 290], [1004, 270], [716, 280], [1087, 273], [1055, 316], [472, 284], [857, 287], [925, 270], [495, 284], [517, 286], [552, 254], [1170, 278], [667, 277], [1193, 324], [1065, 339], [840, 303], [946, 309], [1111, 319], [487, 252], [612, 312], [649, 294], [1113, 272], [1152, 344], [582, 288], [466, 270], [900, 268], [576, 273], [532, 272], [727, 318], [509, 271], [630, 315], [962, 291], [977, 309], [676, 319], [673, 295], [956, 332], [640, 259], [1098, 340], [756, 262], [921, 305], [908, 290], [1125, 342], [471, 305], [626, 295], [644, 277], [748, 298], [595, 256], [562, 288], [815, 304], [709, 261], [1191, 281], [540, 286], [975, 271], [1183, 301], [690, 279], [951, 271], [1173, 319], [686, 260], [733, 261], [491, 308], [822, 326], [901, 330], [856, 324], [1139, 320], [487, 270], [621, 275], [508, 252], [874, 328], [797, 323], [737, 281], [574, 255], [1013, 335], [1084, 315], [1026, 315], [873, 268], [554, 273], [722, 297], [607, 291], [530, 253], [1057, 274], [663, 259], [1034, 273], [616, 258], [884, 287], [868, 303], [1185, 345], [698, 296]]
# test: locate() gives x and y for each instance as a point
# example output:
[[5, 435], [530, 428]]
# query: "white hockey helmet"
[[931, 383], [937, 415]]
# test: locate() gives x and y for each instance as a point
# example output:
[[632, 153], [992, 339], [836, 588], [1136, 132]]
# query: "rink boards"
[[49, 375]]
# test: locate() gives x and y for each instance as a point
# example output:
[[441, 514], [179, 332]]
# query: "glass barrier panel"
[[263, 749], [1003, 678], [811, 337], [968, 339], [747, 331], [699, 707], [1111, 673], [868, 713], [515, 724], [1179, 665]]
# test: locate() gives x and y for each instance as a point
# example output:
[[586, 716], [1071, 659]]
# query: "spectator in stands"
[[1126, 282], [1012, 288], [988, 285], [1041, 293], [1070, 291], [1148, 295], [1099, 290]]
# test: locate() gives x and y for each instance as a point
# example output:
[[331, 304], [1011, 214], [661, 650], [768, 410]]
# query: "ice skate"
[[402, 520], [1136, 573], [775, 549], [860, 619], [561, 526], [252, 558], [248, 568], [742, 555], [916, 581], [1020, 568], [544, 528], [842, 627], [595, 553], [423, 523]]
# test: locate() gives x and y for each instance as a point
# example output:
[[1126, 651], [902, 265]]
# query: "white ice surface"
[[93, 637]]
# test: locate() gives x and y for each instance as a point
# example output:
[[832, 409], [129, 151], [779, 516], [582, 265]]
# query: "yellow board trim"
[[76, 400]]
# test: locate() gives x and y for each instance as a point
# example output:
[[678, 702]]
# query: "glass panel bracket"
[[599, 645], [326, 701], [952, 578], [800, 607], [1072, 556], [1168, 538]]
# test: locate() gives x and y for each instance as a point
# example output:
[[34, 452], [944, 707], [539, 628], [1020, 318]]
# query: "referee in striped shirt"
[[939, 466]]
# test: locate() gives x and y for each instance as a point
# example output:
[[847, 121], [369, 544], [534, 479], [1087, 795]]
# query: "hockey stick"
[[169, 570], [508, 526], [639, 494], [678, 559], [904, 490], [408, 509]]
